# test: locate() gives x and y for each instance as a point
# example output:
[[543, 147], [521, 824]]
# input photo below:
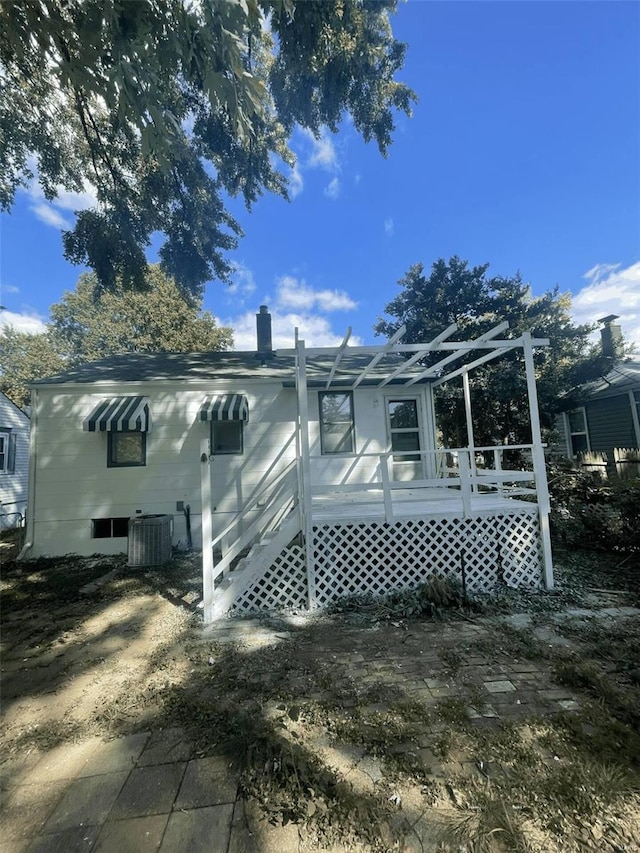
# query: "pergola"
[[465, 499]]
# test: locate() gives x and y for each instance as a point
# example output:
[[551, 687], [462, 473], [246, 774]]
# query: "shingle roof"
[[622, 378], [146, 367]]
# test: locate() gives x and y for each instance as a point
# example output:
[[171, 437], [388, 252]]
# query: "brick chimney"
[[611, 336]]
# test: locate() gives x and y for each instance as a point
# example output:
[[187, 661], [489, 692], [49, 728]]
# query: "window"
[[336, 422], [578, 431], [7, 451], [126, 449], [226, 437], [404, 432], [109, 528]]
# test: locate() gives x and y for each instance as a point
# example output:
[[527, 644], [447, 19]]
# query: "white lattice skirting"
[[378, 558]]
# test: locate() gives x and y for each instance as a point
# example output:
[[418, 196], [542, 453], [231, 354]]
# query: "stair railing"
[[274, 502]]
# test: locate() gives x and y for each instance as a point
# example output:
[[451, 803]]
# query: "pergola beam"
[[517, 342], [433, 345], [339, 355], [431, 371], [386, 349]]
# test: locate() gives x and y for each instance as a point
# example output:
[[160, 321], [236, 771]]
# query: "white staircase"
[[252, 567], [267, 524]]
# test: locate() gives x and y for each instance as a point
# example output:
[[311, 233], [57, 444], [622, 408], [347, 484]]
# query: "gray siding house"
[[608, 415], [14, 463]]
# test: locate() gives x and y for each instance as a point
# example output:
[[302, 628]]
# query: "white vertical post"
[[386, 490], [539, 464], [207, 531], [306, 498], [467, 411], [465, 483], [497, 467]]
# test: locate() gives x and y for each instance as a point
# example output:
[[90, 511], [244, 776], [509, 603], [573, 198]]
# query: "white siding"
[[14, 485], [74, 485]]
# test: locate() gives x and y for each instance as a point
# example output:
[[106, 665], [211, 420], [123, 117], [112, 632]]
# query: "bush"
[[587, 512]]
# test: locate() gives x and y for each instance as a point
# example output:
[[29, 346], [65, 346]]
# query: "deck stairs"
[[251, 567], [247, 548]]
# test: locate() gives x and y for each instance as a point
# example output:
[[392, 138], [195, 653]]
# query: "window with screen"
[[337, 427]]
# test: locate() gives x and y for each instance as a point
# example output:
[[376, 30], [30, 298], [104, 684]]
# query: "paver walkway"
[[153, 791], [137, 793]]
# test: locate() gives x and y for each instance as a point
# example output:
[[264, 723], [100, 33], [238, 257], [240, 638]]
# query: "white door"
[[405, 438]]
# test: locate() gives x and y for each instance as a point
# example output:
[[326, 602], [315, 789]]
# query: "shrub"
[[587, 512]]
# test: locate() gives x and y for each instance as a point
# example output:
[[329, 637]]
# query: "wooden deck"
[[364, 506]]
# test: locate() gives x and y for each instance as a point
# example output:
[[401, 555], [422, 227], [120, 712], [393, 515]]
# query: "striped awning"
[[225, 407], [119, 414]]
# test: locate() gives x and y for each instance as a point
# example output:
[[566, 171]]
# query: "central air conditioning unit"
[[150, 540]]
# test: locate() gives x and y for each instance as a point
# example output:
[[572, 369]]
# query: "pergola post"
[[539, 464], [305, 479], [470, 438], [207, 531]]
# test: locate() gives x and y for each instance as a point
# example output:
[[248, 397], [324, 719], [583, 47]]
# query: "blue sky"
[[523, 152]]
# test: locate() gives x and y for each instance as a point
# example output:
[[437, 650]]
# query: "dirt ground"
[[509, 725]]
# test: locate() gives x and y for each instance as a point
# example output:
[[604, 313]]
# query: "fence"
[[625, 462]]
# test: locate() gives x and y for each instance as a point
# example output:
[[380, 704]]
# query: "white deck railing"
[[456, 469]]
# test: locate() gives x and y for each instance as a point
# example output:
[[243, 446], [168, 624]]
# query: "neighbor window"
[[336, 422], [126, 449], [578, 431], [7, 451], [226, 437], [109, 528]]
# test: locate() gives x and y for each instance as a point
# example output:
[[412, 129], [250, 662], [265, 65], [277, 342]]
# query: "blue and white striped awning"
[[119, 414], [225, 407]]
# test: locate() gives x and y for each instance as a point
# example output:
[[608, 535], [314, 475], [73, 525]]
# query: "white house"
[[14, 463], [324, 461]]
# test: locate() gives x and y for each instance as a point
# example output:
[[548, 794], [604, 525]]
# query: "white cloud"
[[242, 282], [312, 153], [296, 181], [323, 152], [51, 212], [313, 329], [9, 288], [49, 215], [389, 227], [297, 294], [295, 304], [30, 323], [332, 190], [611, 290]]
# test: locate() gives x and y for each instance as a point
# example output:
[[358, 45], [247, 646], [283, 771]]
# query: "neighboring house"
[[14, 463], [323, 460], [608, 415]]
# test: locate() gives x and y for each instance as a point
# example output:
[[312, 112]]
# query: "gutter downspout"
[[33, 459]]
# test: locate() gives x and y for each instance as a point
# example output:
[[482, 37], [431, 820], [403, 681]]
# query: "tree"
[[23, 359], [87, 324], [165, 106], [454, 292]]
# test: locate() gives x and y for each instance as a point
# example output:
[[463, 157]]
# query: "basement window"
[[109, 528]]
